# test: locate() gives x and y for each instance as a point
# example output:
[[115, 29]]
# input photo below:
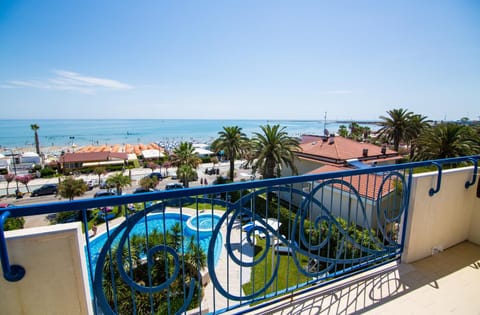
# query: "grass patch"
[[206, 206], [287, 275]]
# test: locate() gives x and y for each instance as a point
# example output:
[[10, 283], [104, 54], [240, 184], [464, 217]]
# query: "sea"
[[82, 132]]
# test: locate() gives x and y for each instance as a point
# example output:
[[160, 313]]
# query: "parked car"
[[155, 174], [141, 190], [172, 186], [212, 171], [47, 189], [104, 185], [100, 194], [92, 183]]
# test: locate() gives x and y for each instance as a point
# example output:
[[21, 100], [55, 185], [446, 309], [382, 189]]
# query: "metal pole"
[[14, 168]]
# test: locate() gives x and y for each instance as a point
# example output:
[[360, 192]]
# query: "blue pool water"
[[204, 223], [164, 222]]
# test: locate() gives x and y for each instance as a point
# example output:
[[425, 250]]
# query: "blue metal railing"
[[216, 248]]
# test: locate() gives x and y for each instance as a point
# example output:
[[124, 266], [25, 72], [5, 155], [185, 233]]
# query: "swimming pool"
[[164, 222], [203, 223]]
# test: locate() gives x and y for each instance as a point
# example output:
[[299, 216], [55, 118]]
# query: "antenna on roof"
[[325, 123], [331, 139]]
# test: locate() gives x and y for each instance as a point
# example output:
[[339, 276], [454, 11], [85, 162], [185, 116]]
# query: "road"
[[137, 174]]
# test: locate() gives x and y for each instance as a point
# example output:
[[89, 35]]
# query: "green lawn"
[[287, 275]]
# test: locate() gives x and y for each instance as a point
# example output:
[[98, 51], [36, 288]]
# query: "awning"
[[200, 151], [357, 164], [152, 154], [102, 163]]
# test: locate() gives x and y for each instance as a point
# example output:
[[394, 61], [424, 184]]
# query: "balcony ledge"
[[447, 282]]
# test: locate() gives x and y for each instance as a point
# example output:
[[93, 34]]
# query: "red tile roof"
[[367, 185], [339, 149], [92, 156], [127, 148]]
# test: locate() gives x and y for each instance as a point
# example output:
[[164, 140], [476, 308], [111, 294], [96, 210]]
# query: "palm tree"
[[343, 131], [71, 187], [355, 130], [186, 161], [184, 155], [395, 127], [446, 141], [119, 181], [272, 148], [100, 170], [119, 294], [195, 255], [230, 140], [148, 183], [35, 128], [185, 173], [416, 125]]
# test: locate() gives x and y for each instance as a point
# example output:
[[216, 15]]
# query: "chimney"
[[384, 149], [365, 152], [331, 139]]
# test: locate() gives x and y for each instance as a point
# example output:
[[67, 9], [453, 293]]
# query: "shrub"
[[47, 172], [14, 223]]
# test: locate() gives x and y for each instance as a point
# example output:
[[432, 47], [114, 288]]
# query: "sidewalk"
[[35, 183], [136, 173]]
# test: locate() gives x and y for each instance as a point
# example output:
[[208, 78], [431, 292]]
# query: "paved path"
[[230, 275]]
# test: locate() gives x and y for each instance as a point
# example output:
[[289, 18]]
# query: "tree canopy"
[[35, 128], [119, 181], [272, 148], [395, 126], [447, 140], [70, 188], [231, 141]]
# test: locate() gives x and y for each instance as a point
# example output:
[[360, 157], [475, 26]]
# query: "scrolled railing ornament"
[[123, 233], [327, 226], [234, 212], [392, 217]]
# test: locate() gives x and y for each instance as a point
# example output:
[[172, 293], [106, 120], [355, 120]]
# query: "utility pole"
[[325, 124], [14, 167]]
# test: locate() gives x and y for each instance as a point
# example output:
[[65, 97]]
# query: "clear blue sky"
[[239, 59]]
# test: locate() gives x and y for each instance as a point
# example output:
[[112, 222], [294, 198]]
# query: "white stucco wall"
[[443, 220], [345, 205], [474, 234], [55, 281]]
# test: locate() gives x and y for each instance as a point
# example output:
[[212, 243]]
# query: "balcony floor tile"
[[446, 283]]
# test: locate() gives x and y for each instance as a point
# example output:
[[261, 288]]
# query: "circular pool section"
[[203, 223], [164, 222]]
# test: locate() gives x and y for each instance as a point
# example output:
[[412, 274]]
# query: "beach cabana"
[[152, 154], [30, 157], [202, 152]]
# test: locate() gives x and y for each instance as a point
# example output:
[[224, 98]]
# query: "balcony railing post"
[[474, 177], [11, 273], [432, 191]]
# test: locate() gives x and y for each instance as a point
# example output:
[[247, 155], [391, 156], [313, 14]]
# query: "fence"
[[217, 248]]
